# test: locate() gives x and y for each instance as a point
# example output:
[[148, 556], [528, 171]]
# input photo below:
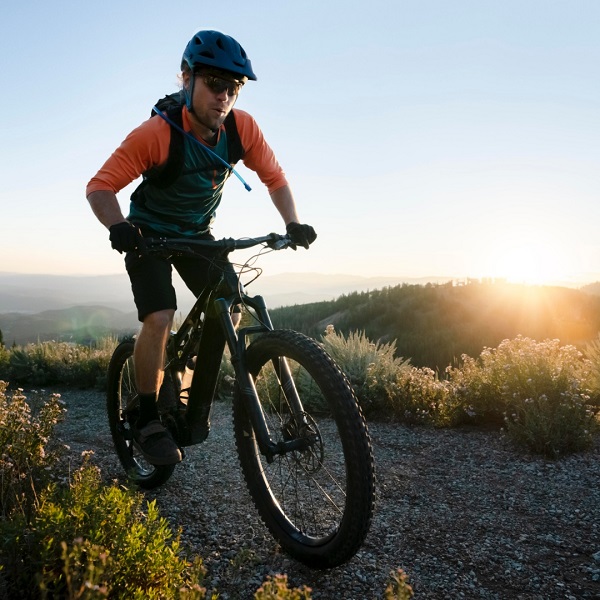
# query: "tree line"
[[433, 325]]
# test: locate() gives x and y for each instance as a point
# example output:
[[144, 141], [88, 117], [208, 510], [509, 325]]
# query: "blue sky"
[[421, 138]]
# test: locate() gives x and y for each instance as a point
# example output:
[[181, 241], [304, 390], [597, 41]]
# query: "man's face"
[[215, 94]]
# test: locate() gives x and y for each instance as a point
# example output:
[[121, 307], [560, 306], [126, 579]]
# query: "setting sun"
[[532, 262]]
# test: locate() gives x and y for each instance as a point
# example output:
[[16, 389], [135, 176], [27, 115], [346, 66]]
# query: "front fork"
[[236, 342]]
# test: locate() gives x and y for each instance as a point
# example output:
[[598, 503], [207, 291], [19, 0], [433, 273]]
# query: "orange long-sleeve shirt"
[[147, 146], [188, 205]]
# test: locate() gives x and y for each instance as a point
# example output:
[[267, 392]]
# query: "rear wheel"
[[316, 500], [121, 405]]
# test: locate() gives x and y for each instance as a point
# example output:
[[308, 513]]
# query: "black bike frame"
[[207, 341]]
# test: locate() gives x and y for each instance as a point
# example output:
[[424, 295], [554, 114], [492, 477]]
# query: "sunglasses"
[[218, 85]]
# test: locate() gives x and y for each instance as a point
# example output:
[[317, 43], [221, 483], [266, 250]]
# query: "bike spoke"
[[307, 484]]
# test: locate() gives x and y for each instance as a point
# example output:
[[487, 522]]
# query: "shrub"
[[540, 391], [553, 425], [276, 588], [398, 587], [4, 359], [103, 541], [416, 395], [371, 367], [86, 541], [386, 385], [591, 351], [26, 450]]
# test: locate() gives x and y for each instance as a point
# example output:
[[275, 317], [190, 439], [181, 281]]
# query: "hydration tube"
[[173, 124]]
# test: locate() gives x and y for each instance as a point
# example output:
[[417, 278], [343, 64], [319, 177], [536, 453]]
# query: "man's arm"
[[302, 235], [106, 207], [283, 200], [124, 236], [145, 147]]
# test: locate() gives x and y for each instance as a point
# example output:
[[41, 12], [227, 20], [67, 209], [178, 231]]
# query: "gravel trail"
[[460, 511]]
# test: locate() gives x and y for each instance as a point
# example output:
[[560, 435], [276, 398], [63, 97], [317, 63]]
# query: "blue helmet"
[[215, 49]]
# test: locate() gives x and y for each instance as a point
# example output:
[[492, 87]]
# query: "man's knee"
[[161, 320]]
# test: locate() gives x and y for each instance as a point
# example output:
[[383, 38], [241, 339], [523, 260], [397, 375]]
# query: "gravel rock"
[[460, 511]]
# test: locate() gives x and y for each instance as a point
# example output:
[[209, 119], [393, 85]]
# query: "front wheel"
[[317, 500], [121, 406]]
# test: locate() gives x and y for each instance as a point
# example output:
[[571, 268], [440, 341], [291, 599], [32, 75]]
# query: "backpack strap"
[[168, 173], [171, 170], [235, 150]]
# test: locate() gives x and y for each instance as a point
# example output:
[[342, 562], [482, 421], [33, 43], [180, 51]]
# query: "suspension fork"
[[282, 368], [237, 346]]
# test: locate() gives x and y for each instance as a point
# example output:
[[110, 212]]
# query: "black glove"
[[125, 237], [302, 235]]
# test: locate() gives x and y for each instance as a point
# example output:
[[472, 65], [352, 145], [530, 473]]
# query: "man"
[[214, 69]]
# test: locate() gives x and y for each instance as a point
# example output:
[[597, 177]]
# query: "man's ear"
[[185, 79]]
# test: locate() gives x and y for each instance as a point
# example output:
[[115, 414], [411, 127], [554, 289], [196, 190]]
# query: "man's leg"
[[149, 352], [154, 441], [156, 303]]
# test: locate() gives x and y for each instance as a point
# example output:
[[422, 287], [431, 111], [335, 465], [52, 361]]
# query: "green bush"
[[540, 391], [591, 351], [85, 541], [4, 360], [554, 425], [135, 549], [544, 394], [97, 541]]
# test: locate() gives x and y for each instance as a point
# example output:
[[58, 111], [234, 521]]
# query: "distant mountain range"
[[26, 293], [62, 307], [81, 308]]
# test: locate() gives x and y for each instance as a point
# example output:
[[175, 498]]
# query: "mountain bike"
[[301, 438]]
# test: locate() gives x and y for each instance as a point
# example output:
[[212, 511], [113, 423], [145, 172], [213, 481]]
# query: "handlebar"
[[274, 241]]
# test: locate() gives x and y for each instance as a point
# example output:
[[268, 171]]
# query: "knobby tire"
[[317, 502]]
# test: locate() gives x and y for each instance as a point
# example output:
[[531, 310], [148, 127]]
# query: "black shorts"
[[152, 284]]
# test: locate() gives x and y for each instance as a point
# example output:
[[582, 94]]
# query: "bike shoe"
[[156, 444]]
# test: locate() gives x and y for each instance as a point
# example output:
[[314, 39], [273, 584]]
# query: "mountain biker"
[[214, 68]]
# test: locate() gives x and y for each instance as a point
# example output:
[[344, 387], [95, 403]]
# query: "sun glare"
[[532, 263]]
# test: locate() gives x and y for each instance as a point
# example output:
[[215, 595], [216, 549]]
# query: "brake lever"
[[279, 242]]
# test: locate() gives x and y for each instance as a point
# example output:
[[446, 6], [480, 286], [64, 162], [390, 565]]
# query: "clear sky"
[[421, 138]]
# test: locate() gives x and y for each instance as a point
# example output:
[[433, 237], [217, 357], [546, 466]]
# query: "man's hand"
[[125, 237], [301, 235]]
